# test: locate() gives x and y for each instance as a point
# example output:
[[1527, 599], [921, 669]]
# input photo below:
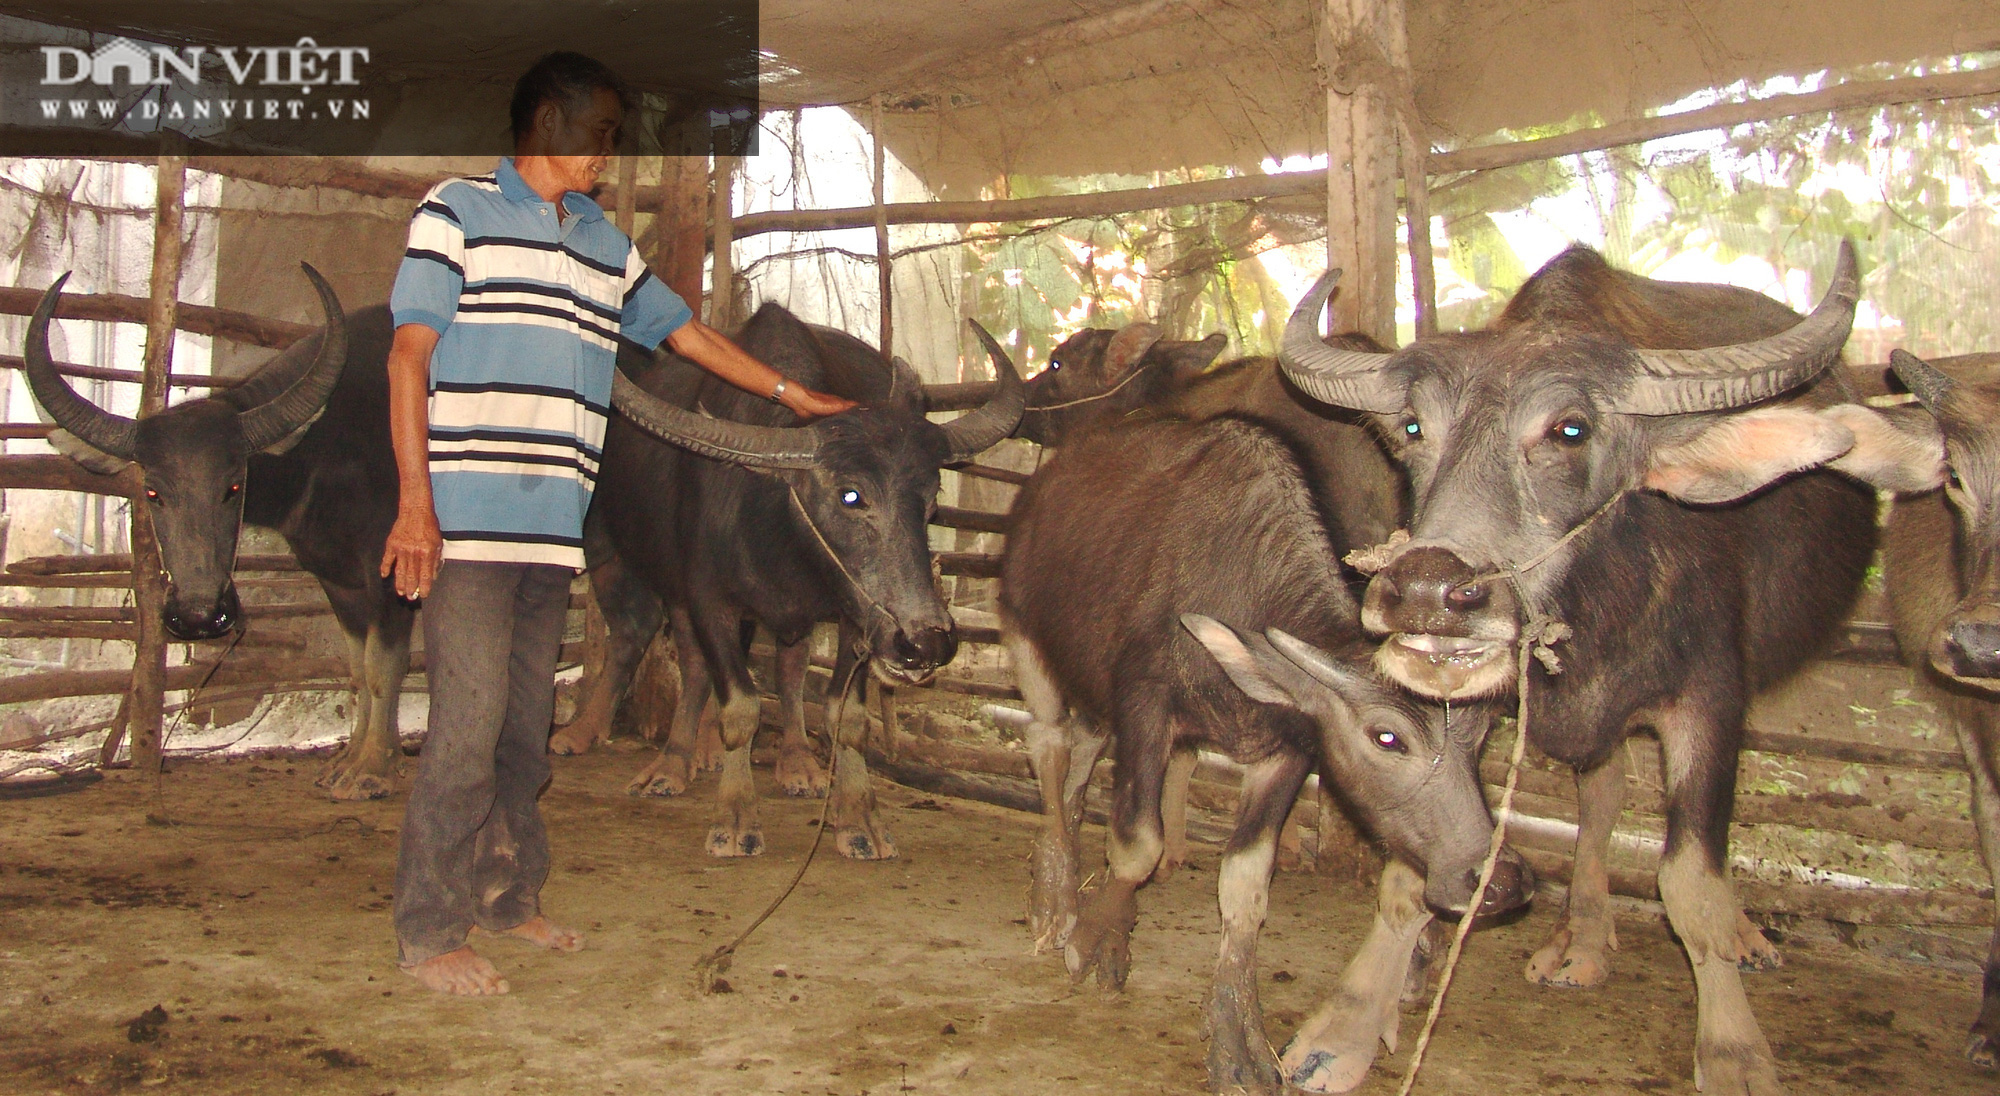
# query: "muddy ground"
[[255, 914]]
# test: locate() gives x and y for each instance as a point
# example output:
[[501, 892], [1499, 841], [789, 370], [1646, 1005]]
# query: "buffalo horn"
[[904, 382], [96, 427], [734, 442], [1674, 382], [1343, 378], [267, 421], [1924, 380], [978, 430]]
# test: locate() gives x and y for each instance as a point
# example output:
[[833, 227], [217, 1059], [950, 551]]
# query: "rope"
[[1080, 401], [708, 971], [1536, 641]]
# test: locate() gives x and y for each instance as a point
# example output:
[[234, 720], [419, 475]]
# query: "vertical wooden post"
[[884, 269], [680, 226], [722, 283], [1361, 163], [1414, 142], [146, 702], [628, 193]]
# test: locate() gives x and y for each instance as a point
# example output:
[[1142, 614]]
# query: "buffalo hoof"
[[352, 778], [799, 773], [1102, 940], [1334, 1051], [1983, 1050], [1753, 952], [708, 748], [1239, 1057], [1734, 1070], [1576, 955], [666, 776], [725, 839], [1321, 1070], [575, 739], [1051, 896], [864, 842]]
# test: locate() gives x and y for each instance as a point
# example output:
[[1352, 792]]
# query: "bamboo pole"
[[149, 582], [884, 268], [722, 283]]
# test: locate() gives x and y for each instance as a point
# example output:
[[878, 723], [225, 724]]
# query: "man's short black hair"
[[566, 79]]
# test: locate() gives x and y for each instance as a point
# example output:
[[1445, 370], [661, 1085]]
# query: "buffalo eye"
[[1412, 430], [1951, 479], [850, 498], [152, 495], [1390, 740], [1570, 431], [235, 489]]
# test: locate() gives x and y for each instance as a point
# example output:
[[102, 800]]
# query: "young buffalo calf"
[[1126, 554]]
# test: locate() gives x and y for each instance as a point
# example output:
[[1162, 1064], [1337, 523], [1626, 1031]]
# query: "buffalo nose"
[[1974, 648], [1513, 883], [206, 623], [927, 648], [1426, 589]]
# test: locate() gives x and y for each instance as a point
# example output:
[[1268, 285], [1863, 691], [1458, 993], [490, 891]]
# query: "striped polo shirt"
[[529, 310]]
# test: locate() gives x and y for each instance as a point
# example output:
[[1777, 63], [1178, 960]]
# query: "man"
[[509, 304]]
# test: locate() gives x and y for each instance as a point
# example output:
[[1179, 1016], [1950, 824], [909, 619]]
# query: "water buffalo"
[[1136, 547], [1600, 457], [302, 446], [741, 519], [1939, 556], [1101, 374]]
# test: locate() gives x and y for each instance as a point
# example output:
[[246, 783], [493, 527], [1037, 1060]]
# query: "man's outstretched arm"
[[715, 352]]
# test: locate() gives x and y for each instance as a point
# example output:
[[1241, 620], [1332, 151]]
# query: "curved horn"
[[734, 442], [1343, 378], [978, 430], [267, 422], [96, 427], [904, 383], [1674, 382], [1924, 380]]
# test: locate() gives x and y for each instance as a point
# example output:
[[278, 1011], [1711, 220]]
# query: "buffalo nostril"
[[1974, 648], [1471, 595]]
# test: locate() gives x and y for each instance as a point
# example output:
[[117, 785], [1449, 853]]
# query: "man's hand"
[[808, 404], [413, 552], [713, 351]]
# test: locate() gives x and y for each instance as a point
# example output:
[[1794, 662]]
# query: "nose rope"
[[852, 582], [1081, 400]]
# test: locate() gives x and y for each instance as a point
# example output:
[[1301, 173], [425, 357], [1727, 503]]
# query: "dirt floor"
[[254, 914]]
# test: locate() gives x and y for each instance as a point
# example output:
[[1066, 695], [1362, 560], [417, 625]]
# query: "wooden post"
[[680, 226], [1413, 142], [722, 283], [884, 269], [1355, 57], [146, 703], [628, 193]]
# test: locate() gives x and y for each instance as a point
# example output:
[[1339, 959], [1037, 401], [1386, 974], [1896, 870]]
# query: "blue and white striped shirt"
[[529, 311]]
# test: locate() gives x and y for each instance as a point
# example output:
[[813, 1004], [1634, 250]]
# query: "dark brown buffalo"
[[1617, 454], [1137, 546], [1941, 558]]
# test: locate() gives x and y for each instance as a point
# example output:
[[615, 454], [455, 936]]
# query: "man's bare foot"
[[541, 932], [462, 973]]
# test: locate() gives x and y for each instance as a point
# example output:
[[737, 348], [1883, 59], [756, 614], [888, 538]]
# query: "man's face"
[[580, 143]]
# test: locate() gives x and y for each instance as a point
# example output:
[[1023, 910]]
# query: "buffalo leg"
[[378, 651], [1578, 950], [1731, 1056], [1980, 739], [858, 831], [1173, 811], [798, 770], [1063, 751], [1239, 1056], [672, 769], [631, 617], [1334, 1048], [1102, 939]]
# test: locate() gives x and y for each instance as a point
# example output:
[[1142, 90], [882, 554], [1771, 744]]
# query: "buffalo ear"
[[1743, 452], [1898, 449], [1250, 661], [1188, 360], [90, 457]]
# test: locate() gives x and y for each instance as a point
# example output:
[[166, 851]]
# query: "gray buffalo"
[[1617, 455]]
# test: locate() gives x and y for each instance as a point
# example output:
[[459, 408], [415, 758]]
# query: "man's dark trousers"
[[474, 851]]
